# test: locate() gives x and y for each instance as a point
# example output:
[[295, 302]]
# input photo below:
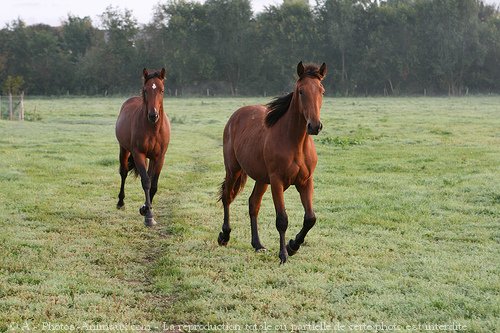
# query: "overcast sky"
[[52, 12]]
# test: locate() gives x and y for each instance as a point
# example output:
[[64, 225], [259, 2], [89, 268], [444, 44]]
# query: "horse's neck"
[[295, 124]]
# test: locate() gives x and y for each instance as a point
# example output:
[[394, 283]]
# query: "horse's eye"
[[301, 92]]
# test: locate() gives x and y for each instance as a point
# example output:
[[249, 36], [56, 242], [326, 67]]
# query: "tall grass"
[[407, 195]]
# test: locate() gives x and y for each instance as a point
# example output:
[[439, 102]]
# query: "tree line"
[[221, 47]]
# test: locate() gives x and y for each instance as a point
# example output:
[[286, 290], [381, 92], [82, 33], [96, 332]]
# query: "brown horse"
[[143, 132], [273, 146]]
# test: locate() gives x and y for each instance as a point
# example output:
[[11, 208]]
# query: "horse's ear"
[[145, 73], [162, 73], [300, 69], [323, 70]]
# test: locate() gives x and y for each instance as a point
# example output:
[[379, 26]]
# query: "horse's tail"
[[131, 166], [238, 186]]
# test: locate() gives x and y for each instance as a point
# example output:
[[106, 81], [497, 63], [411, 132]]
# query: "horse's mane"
[[312, 71], [277, 108], [152, 75]]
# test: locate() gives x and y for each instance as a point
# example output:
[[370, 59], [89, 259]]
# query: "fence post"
[[11, 109], [21, 104]]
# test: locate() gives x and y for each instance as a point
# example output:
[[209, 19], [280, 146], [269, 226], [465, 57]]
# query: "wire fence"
[[12, 107]]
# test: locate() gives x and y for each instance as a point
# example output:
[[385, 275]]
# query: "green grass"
[[407, 195]]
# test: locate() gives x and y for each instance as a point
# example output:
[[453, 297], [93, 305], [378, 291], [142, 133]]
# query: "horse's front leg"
[[154, 171], [146, 210], [278, 189], [306, 195]]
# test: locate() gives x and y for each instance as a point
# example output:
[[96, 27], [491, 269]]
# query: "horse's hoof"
[[143, 210], [149, 222], [262, 249], [258, 247], [222, 240], [120, 206], [289, 248], [283, 258]]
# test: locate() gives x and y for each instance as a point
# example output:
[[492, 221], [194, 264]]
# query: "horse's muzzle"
[[153, 117], [314, 129]]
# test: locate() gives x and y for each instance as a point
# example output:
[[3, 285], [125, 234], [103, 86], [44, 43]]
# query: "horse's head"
[[152, 93], [309, 92]]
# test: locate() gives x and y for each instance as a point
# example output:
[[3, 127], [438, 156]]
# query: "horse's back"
[[129, 107], [244, 138], [248, 118]]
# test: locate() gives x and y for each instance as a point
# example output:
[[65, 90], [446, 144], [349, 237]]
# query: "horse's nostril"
[[153, 117], [314, 130]]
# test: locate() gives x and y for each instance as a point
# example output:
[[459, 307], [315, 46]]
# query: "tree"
[[13, 85], [483, 76], [118, 54], [182, 32], [15, 50], [49, 64], [449, 44], [229, 22], [77, 35], [389, 56], [339, 23], [372, 47], [287, 35]]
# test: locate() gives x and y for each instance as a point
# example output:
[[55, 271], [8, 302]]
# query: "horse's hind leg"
[[233, 183], [306, 194], [253, 207], [124, 155]]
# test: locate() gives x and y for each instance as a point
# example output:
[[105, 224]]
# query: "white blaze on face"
[[154, 86]]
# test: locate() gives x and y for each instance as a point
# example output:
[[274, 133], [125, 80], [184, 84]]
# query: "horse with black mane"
[[143, 132], [272, 144]]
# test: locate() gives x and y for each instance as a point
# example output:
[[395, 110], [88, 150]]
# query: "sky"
[[53, 12]]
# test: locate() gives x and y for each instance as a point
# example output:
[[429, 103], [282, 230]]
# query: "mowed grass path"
[[407, 199]]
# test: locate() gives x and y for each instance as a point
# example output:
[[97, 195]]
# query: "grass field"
[[407, 196]]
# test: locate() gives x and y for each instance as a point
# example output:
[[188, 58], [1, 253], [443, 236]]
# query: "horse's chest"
[[294, 167], [305, 163], [297, 171], [302, 171], [151, 145]]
